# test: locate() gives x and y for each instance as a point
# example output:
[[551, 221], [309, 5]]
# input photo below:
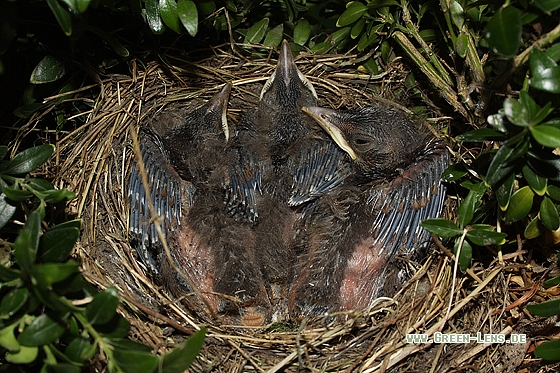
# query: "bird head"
[[382, 141], [214, 112], [287, 88]]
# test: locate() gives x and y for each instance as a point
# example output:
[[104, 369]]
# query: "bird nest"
[[95, 161]]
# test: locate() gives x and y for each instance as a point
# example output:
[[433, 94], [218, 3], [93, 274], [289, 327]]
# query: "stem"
[[455, 267], [104, 347]]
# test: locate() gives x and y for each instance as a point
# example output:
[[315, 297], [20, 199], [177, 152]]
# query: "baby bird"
[[281, 160], [179, 151], [353, 234]]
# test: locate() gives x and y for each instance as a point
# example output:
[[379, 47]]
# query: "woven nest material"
[[96, 160]]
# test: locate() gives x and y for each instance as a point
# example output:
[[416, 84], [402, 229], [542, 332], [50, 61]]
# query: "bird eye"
[[361, 142]]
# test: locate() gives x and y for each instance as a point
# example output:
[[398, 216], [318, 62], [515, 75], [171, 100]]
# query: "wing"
[[168, 194], [415, 195], [319, 169], [242, 180]]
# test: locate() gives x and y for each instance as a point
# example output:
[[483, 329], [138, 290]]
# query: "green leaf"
[[483, 227], [117, 327], [40, 185], [551, 282], [57, 243], [339, 36], [542, 113], [546, 135], [481, 134], [80, 350], [273, 37], [71, 5], [543, 70], [441, 227], [8, 274], [372, 67], [466, 209], [367, 39], [133, 357], [302, 32], [457, 14], [103, 306], [127, 344], [520, 204], [549, 350], [353, 12], [465, 256], [49, 69], [357, 28], [503, 31], [62, 16], [13, 301], [168, 13], [188, 14], [181, 357], [545, 163], [57, 195], [132, 361], [26, 244], [497, 121], [553, 192], [536, 182], [483, 237], [153, 17], [43, 330], [547, 6], [51, 273], [527, 101], [462, 45], [553, 51], [25, 355], [533, 229], [54, 301], [545, 309], [256, 32], [17, 195], [321, 48], [549, 214], [540, 61], [502, 164], [76, 223], [7, 210], [504, 191], [27, 160], [83, 5], [454, 172], [8, 339], [516, 112], [468, 206], [548, 80]]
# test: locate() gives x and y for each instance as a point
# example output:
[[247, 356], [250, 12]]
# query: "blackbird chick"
[[179, 151], [282, 160], [354, 233]]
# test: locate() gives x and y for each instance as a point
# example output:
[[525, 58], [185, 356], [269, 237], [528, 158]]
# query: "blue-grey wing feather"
[[167, 195]]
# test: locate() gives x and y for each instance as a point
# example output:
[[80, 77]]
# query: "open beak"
[[325, 118], [287, 70], [219, 103]]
